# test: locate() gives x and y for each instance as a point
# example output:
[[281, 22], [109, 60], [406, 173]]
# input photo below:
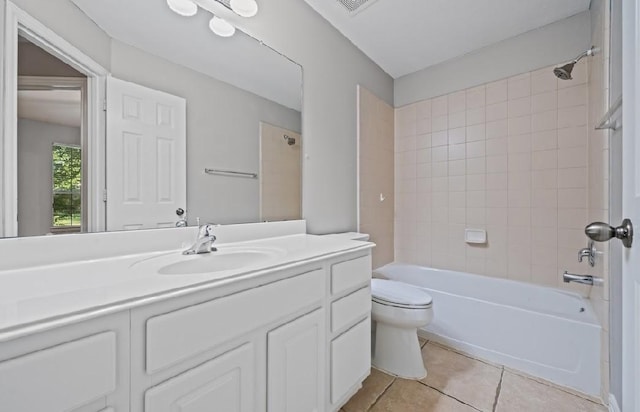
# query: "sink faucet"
[[204, 242]]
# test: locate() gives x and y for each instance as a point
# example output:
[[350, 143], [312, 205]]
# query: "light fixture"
[[244, 8], [185, 8], [221, 27]]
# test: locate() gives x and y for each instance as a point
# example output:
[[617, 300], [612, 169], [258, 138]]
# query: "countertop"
[[38, 298]]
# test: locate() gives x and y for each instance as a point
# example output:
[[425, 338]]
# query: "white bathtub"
[[541, 331]]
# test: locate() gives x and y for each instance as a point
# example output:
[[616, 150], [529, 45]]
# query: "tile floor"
[[458, 383]]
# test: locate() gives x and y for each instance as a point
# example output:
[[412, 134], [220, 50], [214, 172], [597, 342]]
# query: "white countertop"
[[41, 297]]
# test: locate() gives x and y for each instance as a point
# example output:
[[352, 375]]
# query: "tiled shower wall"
[[376, 194], [510, 157]]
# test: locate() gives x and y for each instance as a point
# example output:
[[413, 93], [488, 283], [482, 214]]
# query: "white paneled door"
[[631, 205], [146, 157]]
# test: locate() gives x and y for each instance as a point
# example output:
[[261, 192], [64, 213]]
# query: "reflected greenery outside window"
[[67, 186]]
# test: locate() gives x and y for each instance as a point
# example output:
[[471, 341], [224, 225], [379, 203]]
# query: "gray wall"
[[332, 68], [33, 61], [223, 129], [551, 44], [35, 180], [69, 22], [615, 209]]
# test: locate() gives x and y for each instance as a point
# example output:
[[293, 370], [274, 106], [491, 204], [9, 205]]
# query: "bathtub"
[[541, 331]]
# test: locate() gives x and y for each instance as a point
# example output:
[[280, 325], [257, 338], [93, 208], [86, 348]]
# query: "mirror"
[[242, 124]]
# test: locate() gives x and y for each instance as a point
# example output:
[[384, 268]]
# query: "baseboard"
[[613, 404]]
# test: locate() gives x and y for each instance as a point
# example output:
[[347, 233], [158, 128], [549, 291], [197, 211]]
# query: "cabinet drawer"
[[350, 274], [222, 384], [350, 359], [347, 310], [60, 378], [179, 335]]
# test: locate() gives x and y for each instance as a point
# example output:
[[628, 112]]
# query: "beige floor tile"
[[412, 396], [371, 390], [422, 341], [469, 380], [519, 394]]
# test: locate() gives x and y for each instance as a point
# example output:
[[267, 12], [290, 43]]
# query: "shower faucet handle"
[[590, 252]]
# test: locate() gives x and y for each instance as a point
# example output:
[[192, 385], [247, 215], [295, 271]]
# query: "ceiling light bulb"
[[185, 8], [244, 8], [221, 27]]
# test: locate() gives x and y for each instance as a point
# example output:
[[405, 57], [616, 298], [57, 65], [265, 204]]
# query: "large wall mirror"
[[195, 123]]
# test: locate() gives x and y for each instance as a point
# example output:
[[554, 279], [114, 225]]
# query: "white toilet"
[[399, 310]]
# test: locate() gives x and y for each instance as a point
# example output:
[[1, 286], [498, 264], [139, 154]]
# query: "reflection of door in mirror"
[[280, 173], [146, 157], [50, 128]]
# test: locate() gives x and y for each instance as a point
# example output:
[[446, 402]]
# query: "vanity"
[[289, 331]]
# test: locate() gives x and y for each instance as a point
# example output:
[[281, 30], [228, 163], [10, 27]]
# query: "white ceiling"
[[50, 106], [404, 36], [239, 60]]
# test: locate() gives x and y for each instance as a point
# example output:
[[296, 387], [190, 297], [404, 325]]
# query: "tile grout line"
[[552, 386], [498, 389], [449, 396], [381, 394]]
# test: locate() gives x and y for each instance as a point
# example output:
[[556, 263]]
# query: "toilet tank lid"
[[398, 292]]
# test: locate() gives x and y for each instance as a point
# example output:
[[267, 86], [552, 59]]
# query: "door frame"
[[631, 191], [67, 83], [19, 23]]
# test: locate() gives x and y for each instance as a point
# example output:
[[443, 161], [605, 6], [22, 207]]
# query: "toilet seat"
[[399, 295]]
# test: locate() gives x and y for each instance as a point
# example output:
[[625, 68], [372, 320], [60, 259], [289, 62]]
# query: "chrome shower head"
[[564, 72], [290, 140]]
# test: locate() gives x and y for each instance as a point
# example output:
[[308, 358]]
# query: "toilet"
[[399, 310]]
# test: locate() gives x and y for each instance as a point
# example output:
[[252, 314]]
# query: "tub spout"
[[583, 279]]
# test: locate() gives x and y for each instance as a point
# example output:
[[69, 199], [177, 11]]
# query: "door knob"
[[602, 232]]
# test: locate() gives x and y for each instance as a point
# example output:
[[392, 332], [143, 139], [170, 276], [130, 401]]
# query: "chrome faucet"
[[584, 279], [204, 241], [588, 252]]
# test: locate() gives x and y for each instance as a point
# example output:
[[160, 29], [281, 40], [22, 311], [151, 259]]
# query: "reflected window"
[[67, 186]]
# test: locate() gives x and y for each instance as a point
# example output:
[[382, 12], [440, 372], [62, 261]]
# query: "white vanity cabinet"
[[80, 368], [295, 364], [350, 330], [218, 348], [292, 339]]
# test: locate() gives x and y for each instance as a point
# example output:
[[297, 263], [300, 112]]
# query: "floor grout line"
[[466, 355], [382, 394], [551, 385], [449, 396], [498, 389]]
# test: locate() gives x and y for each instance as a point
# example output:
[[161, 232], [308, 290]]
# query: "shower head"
[[564, 72], [290, 140]]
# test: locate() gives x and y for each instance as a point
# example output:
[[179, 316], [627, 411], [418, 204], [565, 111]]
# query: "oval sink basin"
[[224, 259], [216, 262]]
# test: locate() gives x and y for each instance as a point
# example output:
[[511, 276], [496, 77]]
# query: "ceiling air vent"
[[356, 6]]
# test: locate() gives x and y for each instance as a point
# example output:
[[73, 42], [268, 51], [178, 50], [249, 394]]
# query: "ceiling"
[[51, 106], [409, 35], [239, 60]]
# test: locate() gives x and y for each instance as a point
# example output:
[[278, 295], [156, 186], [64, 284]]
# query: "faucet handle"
[[590, 252]]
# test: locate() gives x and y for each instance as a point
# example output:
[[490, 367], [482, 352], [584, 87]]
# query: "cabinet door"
[[295, 365], [350, 359], [225, 383]]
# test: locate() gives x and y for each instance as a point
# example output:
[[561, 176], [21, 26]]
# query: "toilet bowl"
[[399, 310]]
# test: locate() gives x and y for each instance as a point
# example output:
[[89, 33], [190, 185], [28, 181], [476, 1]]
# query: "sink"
[[224, 259]]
